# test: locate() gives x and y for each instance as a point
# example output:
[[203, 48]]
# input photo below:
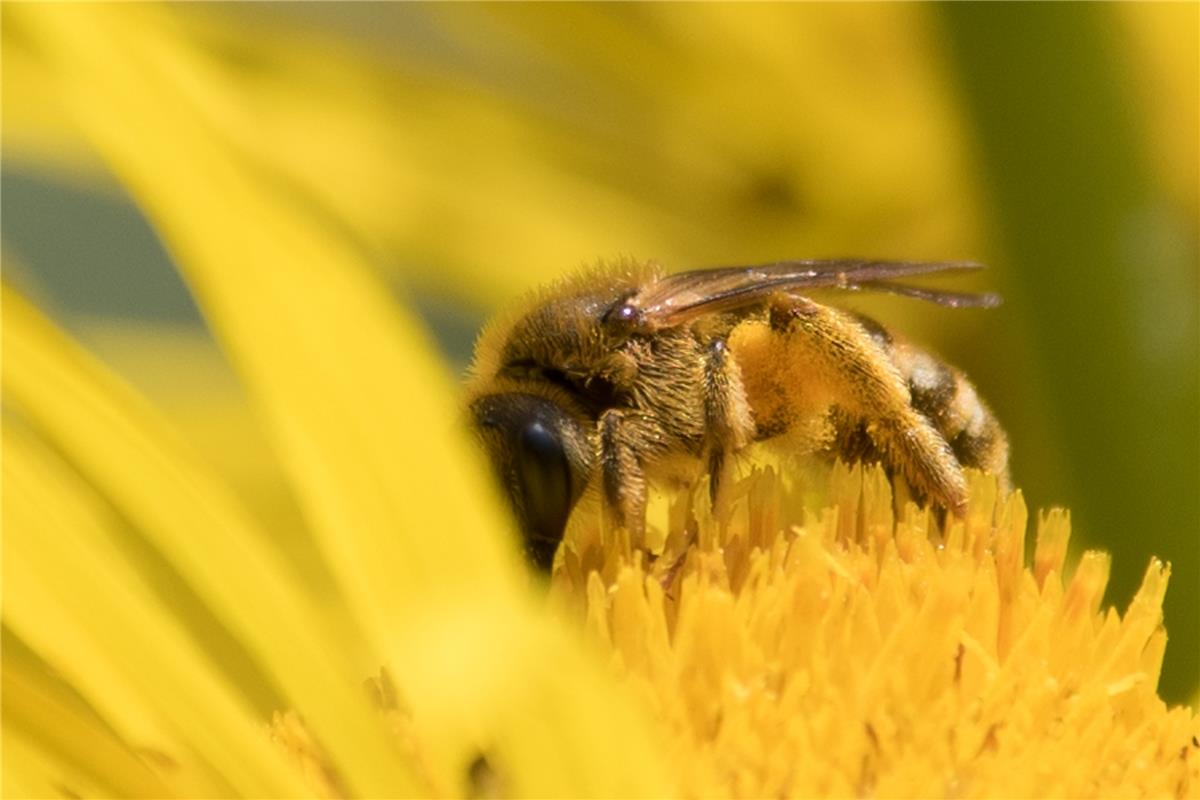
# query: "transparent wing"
[[677, 298]]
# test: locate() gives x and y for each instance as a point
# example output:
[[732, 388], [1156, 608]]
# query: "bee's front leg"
[[622, 475]]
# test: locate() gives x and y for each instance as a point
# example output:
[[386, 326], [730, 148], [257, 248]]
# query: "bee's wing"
[[680, 297], [949, 299]]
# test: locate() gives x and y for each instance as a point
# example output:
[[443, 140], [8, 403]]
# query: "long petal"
[[59, 732], [121, 446], [365, 421], [68, 594]]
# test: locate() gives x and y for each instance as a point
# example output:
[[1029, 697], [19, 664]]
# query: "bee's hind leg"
[[833, 349]]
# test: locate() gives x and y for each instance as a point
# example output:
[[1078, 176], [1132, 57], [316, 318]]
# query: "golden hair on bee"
[[623, 373]]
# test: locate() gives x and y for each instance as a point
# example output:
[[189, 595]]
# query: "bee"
[[626, 374]]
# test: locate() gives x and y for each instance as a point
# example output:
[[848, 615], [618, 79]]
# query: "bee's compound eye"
[[539, 454], [545, 482]]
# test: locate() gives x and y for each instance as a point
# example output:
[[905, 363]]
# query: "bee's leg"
[[621, 473], [838, 352], [945, 397], [726, 414]]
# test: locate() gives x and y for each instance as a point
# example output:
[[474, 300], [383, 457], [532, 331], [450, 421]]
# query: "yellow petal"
[[121, 446], [65, 590], [53, 743], [365, 421]]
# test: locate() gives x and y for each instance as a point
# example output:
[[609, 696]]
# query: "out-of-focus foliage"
[[474, 150]]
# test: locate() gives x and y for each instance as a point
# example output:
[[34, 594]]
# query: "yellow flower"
[[159, 640], [851, 652]]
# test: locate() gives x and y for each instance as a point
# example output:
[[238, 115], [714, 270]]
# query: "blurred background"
[[474, 151]]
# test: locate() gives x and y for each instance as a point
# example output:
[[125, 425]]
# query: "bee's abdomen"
[[945, 397]]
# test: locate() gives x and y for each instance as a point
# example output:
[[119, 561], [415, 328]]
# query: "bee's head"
[[542, 457]]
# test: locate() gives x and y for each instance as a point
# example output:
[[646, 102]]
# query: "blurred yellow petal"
[[772, 112], [118, 443], [65, 589], [180, 370], [291, 329], [792, 165], [34, 612], [367, 425], [50, 745], [37, 128], [827, 144], [396, 179]]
